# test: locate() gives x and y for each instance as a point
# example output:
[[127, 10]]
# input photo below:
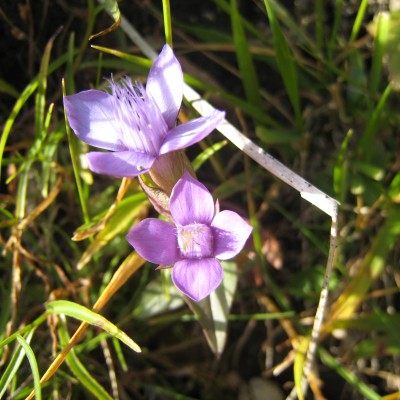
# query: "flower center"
[[143, 127], [195, 241]]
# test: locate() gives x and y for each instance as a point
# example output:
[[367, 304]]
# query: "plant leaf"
[[82, 313], [213, 312]]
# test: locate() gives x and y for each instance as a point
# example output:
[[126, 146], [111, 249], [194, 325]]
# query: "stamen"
[[142, 125], [195, 241]]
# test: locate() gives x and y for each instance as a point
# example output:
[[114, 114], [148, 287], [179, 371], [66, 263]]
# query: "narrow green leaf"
[[380, 42], [340, 171], [285, 62], [359, 20], [391, 55], [221, 301], [120, 355], [82, 313], [249, 26], [79, 370], [394, 189], [366, 144], [34, 367], [212, 313], [144, 62], [370, 269], [40, 101], [368, 169], [159, 296], [167, 22], [277, 136], [207, 153], [23, 330], [76, 165], [13, 365], [348, 375], [25, 95], [6, 88], [333, 40], [127, 210], [319, 25], [298, 366], [245, 58]]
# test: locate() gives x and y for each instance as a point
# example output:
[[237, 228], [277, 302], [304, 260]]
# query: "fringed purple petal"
[[155, 241], [230, 234], [191, 132], [197, 278], [91, 116], [191, 202], [165, 85], [119, 164], [142, 125]]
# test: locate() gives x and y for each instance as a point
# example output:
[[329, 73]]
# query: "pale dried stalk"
[[307, 191]]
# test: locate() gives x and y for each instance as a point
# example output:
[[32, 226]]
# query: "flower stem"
[[167, 22]]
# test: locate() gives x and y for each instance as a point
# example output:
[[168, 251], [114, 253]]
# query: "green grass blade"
[[23, 330], [40, 101], [14, 364], [167, 22], [381, 37], [340, 171], [333, 40], [319, 25], [207, 153], [370, 269], [285, 62], [79, 370], [23, 98], [83, 314], [6, 88], [359, 20], [34, 367], [348, 376], [144, 62], [48, 152], [366, 144], [245, 58], [76, 165], [287, 18], [221, 301], [121, 220], [226, 7], [25, 95]]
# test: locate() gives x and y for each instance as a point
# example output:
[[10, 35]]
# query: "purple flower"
[[136, 124], [194, 244]]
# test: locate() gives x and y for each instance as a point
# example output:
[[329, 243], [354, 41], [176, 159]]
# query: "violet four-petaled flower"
[[137, 124], [199, 238]]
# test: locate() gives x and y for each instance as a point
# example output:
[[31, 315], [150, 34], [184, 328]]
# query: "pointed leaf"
[[84, 314], [213, 312]]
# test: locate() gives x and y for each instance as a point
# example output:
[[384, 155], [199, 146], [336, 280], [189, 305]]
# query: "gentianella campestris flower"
[[136, 124], [193, 245]]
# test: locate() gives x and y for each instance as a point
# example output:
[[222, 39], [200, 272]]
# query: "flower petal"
[[91, 116], [191, 202], [155, 241], [120, 164], [197, 278], [165, 85], [230, 234], [191, 132]]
